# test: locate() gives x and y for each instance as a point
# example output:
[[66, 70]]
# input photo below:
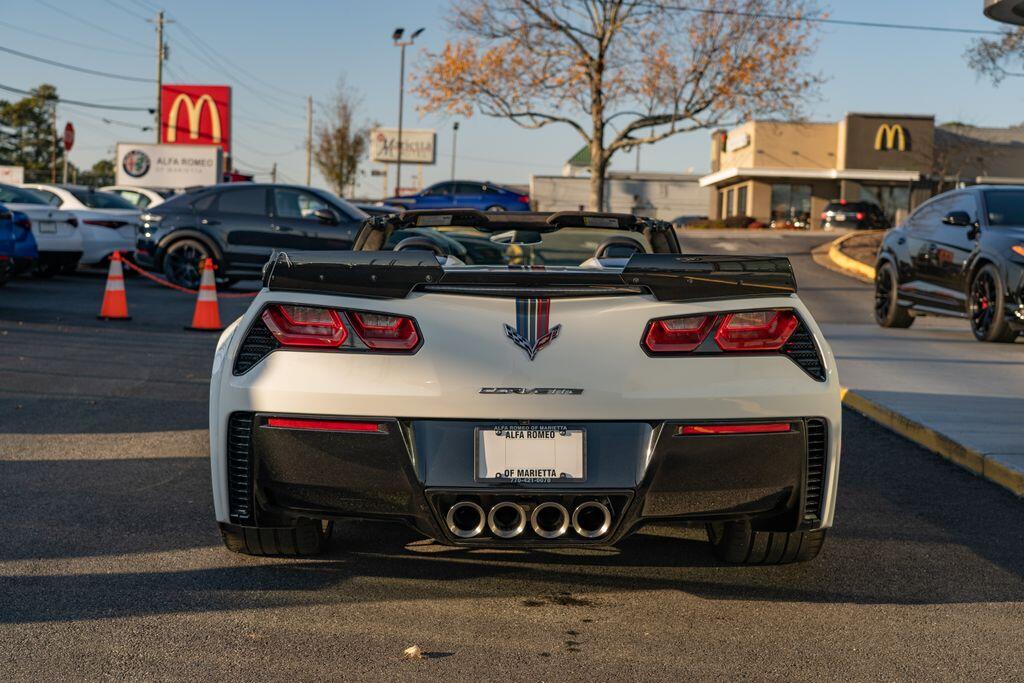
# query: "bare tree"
[[340, 143], [664, 66], [998, 58]]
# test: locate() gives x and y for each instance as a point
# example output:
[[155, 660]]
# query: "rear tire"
[[738, 543], [495, 208], [888, 312], [308, 537], [987, 303]]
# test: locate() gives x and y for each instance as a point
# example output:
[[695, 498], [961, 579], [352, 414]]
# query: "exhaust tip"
[[549, 520], [466, 519], [591, 519], [506, 519]]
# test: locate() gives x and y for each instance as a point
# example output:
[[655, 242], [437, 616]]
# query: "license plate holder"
[[47, 226], [530, 454]]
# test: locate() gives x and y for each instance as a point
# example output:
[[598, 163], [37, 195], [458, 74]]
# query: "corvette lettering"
[[542, 391]]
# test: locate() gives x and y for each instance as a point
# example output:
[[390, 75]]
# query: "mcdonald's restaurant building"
[[786, 172]]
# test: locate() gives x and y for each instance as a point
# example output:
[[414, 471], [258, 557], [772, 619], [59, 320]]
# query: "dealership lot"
[[111, 565]]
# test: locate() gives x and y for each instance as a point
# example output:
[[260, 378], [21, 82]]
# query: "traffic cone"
[[207, 315], [115, 302]]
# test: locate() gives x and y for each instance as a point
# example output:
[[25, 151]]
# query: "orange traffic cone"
[[115, 302], [207, 315]]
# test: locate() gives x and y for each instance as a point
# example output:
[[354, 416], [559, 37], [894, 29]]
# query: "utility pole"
[[53, 152], [160, 55], [273, 173], [397, 38], [455, 137], [309, 138]]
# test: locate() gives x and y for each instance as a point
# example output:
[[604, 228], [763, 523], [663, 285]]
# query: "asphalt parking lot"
[[111, 565]]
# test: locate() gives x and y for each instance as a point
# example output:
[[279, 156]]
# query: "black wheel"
[[46, 269], [987, 307], [308, 537], [495, 208], [182, 262], [888, 312], [737, 543]]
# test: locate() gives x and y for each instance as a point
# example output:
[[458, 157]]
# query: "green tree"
[[101, 173], [28, 136], [341, 143]]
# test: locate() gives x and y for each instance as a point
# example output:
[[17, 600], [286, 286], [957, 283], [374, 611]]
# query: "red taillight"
[[824, 215], [323, 425], [678, 335], [755, 330], [24, 223], [524, 199], [104, 224], [753, 428], [385, 332], [305, 326], [860, 216]]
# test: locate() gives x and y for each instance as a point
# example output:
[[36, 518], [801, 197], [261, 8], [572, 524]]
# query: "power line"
[[126, 10], [839, 22], [67, 41], [97, 27], [80, 69], [78, 103]]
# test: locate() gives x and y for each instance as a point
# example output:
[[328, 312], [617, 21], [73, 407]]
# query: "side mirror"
[[326, 216], [959, 218]]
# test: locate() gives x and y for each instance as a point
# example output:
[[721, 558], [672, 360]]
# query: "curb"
[[844, 262], [974, 461]]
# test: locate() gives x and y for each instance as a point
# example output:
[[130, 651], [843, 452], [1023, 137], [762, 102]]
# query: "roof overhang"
[[809, 174]]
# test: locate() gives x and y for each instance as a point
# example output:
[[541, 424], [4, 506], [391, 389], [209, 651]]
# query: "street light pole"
[[397, 38], [455, 137]]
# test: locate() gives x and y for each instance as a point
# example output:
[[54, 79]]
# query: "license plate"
[[840, 216], [531, 453], [47, 226]]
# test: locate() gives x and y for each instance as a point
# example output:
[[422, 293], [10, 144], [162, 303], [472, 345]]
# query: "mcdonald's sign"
[[892, 137], [196, 115]]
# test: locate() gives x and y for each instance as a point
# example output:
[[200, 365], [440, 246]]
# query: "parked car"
[[6, 244], [140, 197], [960, 254], [464, 194], [239, 226], [107, 222], [684, 220], [26, 251], [55, 232], [856, 215]]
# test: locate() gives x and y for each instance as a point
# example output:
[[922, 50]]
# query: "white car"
[[56, 232], [107, 223], [140, 197], [586, 381]]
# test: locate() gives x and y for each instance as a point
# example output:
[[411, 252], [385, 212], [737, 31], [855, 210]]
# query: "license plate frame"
[[48, 227], [480, 459]]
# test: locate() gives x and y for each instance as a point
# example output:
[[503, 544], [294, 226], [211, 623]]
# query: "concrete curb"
[[844, 262], [986, 466]]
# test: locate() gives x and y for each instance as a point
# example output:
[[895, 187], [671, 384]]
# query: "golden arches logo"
[[891, 137], [194, 109]]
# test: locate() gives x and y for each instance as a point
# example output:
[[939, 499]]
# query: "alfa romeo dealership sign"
[[170, 166], [418, 146]]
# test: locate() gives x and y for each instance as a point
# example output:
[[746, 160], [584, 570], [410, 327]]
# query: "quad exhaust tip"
[[591, 519], [549, 520], [466, 519], [507, 519]]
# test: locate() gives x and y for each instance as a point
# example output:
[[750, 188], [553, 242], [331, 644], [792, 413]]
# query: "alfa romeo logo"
[[136, 163]]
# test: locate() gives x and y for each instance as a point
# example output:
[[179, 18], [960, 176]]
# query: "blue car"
[[26, 251], [6, 244], [464, 194]]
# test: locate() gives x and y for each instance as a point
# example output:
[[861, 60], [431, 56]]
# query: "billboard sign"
[[418, 146], [13, 175], [196, 115], [170, 166]]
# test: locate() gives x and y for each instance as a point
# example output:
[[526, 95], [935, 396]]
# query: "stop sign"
[[69, 136]]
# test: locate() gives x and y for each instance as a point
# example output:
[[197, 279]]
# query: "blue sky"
[[286, 50]]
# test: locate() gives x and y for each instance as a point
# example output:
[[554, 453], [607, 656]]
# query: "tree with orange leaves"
[[670, 66]]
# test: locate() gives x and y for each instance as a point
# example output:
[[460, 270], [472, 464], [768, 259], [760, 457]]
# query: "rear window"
[[1005, 207], [97, 199], [848, 206], [17, 195]]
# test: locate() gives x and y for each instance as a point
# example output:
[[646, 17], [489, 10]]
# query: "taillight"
[[385, 332], [733, 428], [104, 224], [860, 216], [755, 330], [824, 215], [305, 326], [324, 425], [678, 335], [524, 199], [767, 330], [23, 223]]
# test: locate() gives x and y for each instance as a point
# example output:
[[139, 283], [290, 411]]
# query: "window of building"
[[741, 201], [894, 199], [729, 211], [791, 203], [722, 208]]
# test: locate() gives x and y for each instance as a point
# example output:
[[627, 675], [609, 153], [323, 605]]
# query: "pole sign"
[[69, 136], [196, 115], [418, 146], [168, 166]]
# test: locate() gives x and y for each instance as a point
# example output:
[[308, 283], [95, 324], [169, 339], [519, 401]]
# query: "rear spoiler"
[[394, 275]]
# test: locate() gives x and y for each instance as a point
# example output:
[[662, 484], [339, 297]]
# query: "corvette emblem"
[[531, 332]]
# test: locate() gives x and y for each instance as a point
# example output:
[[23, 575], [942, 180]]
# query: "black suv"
[[960, 254], [856, 215], [239, 225]]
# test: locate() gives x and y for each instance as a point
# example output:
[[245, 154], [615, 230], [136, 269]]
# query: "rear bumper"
[[413, 471]]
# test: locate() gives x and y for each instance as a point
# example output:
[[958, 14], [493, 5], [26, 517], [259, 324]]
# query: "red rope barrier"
[[185, 290]]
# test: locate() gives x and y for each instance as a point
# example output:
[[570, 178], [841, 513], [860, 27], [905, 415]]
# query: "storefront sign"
[[170, 166], [737, 141], [892, 136], [196, 115]]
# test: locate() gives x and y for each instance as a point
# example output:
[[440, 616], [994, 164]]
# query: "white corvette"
[[566, 380]]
